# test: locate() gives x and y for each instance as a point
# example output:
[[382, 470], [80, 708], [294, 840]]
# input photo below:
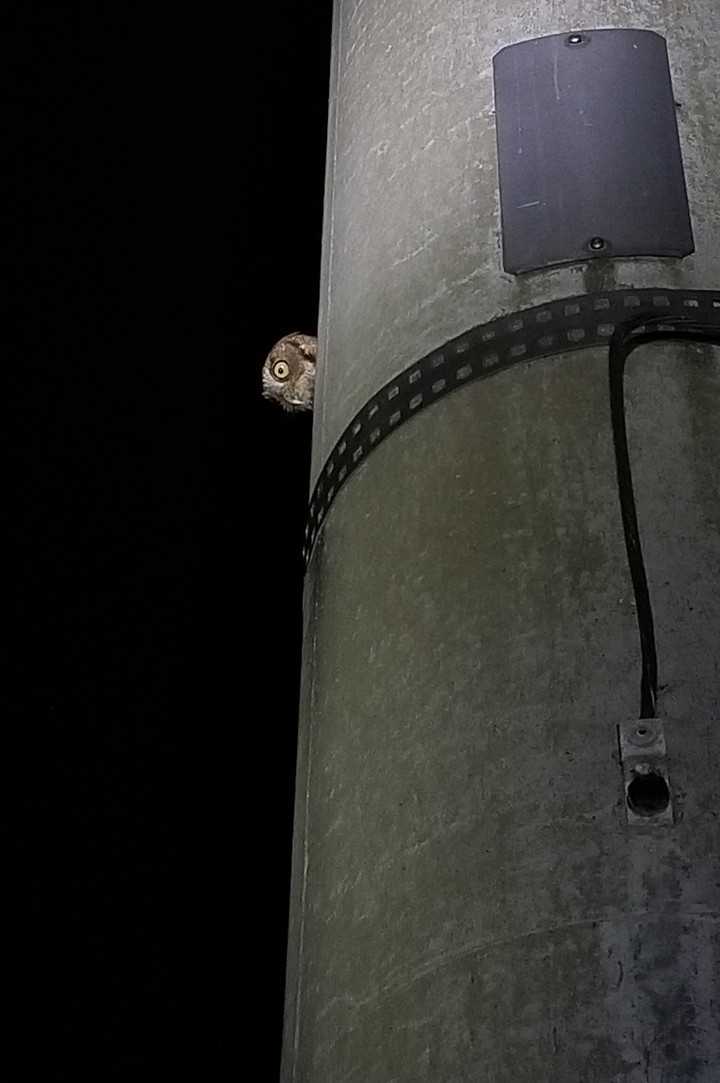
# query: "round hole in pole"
[[648, 794]]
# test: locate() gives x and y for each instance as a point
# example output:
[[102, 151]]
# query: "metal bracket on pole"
[[648, 799], [571, 323]]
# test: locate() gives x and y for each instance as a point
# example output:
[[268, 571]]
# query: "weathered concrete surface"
[[469, 903], [474, 906]]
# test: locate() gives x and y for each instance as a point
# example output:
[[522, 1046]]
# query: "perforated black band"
[[572, 323]]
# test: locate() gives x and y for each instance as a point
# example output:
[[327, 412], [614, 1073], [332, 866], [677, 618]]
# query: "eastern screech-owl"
[[288, 373]]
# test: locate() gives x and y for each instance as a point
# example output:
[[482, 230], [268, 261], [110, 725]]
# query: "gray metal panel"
[[588, 151]]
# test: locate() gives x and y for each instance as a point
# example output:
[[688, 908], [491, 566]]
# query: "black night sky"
[[162, 232]]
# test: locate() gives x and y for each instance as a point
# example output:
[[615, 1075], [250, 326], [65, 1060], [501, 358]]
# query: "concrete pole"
[[473, 899]]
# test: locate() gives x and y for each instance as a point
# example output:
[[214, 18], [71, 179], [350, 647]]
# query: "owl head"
[[288, 374]]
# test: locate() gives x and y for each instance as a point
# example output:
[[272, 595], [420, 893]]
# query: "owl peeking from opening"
[[288, 374]]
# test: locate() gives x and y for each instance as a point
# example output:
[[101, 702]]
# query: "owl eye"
[[281, 370]]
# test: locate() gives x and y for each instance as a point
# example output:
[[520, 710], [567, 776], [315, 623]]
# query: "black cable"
[[627, 337]]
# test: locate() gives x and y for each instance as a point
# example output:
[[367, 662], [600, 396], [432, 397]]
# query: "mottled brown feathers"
[[288, 373]]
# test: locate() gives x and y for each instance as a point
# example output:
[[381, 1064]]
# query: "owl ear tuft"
[[308, 351]]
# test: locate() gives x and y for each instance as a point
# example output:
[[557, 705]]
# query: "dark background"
[[162, 231]]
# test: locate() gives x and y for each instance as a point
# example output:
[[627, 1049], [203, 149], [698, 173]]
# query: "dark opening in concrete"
[[647, 795]]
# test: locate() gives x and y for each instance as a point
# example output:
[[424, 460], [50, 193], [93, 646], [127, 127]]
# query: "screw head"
[[643, 734], [575, 39], [597, 243]]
